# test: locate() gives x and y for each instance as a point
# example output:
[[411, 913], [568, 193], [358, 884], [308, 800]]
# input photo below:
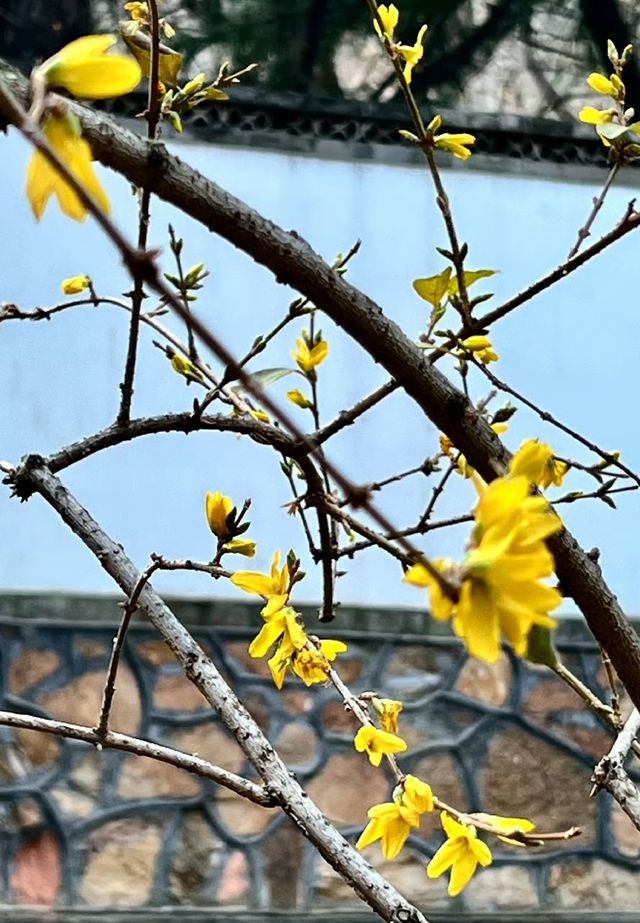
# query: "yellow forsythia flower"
[[309, 359], [481, 348], [592, 116], [261, 416], [75, 285], [274, 587], [535, 461], [501, 592], [389, 712], [311, 664], [462, 852], [603, 85], [456, 144], [243, 546], [43, 180], [389, 16], [185, 367], [377, 743], [217, 508], [281, 623], [299, 399], [392, 822], [412, 54], [84, 68]]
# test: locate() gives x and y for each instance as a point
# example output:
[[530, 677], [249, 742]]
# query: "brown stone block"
[[39, 749], [120, 868], [155, 652], [238, 650], [297, 701], [92, 648], [141, 777], [72, 804], [297, 744], [485, 682], [415, 670], [625, 833], [507, 887], [524, 776], [79, 701], [242, 817], [178, 694], [196, 858], [283, 855], [347, 787], [213, 743], [339, 720], [594, 885], [31, 666]]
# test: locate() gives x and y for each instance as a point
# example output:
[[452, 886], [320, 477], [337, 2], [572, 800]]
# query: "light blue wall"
[[574, 349]]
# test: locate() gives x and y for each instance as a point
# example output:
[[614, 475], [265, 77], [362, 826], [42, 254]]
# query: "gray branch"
[[610, 773], [368, 884]]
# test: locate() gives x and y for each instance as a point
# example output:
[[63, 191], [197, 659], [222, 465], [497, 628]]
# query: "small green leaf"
[[266, 377], [434, 288], [540, 648]]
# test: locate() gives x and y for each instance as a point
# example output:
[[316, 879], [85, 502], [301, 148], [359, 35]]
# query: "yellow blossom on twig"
[[243, 546], [75, 285], [592, 116], [456, 144], [389, 16], [84, 68], [299, 399], [482, 349], [389, 712], [312, 664], [392, 822], [309, 359], [377, 743], [274, 587], [412, 54], [218, 507], [43, 180], [535, 461], [462, 852]]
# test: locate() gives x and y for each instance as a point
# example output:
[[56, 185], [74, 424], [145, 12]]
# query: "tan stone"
[[595, 885], [91, 648], [506, 887], [196, 858], [625, 833], [156, 652], [141, 777], [283, 854], [240, 816], [296, 701], [28, 814], [121, 865], [239, 653], [177, 693], [551, 704], [87, 774], [39, 749], [234, 884], [337, 719], [297, 744], [415, 670], [31, 666], [524, 776], [79, 701], [347, 787], [486, 682], [213, 743], [72, 804]]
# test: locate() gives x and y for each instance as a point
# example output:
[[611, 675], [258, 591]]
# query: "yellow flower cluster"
[[392, 821], [86, 70], [411, 54], [501, 590], [308, 658]]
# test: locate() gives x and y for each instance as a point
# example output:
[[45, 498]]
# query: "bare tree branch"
[[281, 784]]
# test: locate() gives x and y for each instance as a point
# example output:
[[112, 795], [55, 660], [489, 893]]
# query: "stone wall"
[[84, 829]]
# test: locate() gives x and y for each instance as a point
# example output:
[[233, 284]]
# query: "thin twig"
[[347, 417], [113, 741], [598, 202], [153, 119]]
